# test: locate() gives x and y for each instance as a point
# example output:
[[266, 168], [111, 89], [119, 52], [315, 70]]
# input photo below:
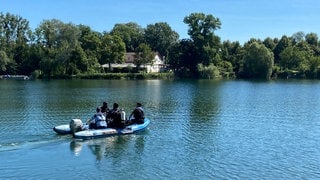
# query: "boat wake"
[[12, 146]]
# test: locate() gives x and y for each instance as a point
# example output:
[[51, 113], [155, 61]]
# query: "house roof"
[[130, 57]]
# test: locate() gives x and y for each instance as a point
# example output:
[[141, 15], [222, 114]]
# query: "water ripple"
[[199, 130]]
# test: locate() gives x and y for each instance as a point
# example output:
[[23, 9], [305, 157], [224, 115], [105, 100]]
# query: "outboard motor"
[[75, 125]]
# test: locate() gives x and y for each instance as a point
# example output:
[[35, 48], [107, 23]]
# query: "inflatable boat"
[[62, 129], [74, 125], [99, 133]]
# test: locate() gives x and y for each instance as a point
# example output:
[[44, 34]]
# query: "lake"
[[200, 129]]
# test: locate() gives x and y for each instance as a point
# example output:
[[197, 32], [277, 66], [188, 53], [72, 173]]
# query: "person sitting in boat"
[[114, 117], [98, 120], [104, 108], [137, 115]]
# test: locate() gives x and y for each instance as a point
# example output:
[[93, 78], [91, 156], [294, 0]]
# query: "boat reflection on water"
[[110, 147], [75, 147]]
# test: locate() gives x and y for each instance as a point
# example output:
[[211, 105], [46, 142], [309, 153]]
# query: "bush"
[[208, 72], [35, 74]]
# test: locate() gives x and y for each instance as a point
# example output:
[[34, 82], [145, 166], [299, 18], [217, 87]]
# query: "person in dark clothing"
[[137, 115], [104, 108], [114, 117]]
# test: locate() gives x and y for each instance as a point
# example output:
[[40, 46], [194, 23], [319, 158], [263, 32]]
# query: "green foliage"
[[173, 58], [292, 57], [201, 26], [90, 42], [112, 50], [131, 34], [312, 39], [14, 36], [232, 52], [4, 60], [208, 72], [314, 66], [160, 37], [64, 50], [201, 31], [79, 60], [283, 43], [143, 55], [187, 58], [258, 61], [47, 67], [270, 43], [225, 66], [13, 29], [297, 37], [53, 33], [35, 74]]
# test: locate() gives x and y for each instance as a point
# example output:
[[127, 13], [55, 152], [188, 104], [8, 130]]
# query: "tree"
[[47, 66], [58, 40], [79, 61], [298, 37], [160, 37], [269, 43], [258, 61], [143, 55], [208, 72], [4, 61], [292, 57], [282, 44], [21, 57], [314, 66], [47, 32], [112, 50], [13, 29], [201, 26], [201, 31], [90, 42], [131, 34], [233, 53], [183, 58], [312, 39], [173, 58], [53, 33], [34, 57], [15, 35]]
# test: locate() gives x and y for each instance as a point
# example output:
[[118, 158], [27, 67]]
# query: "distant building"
[[157, 64]]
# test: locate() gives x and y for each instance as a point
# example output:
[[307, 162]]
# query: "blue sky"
[[241, 19]]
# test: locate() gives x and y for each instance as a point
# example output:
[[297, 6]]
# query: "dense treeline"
[[56, 48]]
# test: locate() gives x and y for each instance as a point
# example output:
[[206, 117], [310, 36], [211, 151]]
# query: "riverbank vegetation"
[[64, 50]]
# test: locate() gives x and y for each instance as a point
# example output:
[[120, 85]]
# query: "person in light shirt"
[[98, 120]]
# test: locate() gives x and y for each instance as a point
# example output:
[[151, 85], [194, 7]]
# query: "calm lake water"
[[199, 129]]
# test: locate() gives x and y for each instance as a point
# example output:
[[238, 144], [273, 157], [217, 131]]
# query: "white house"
[[157, 64]]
